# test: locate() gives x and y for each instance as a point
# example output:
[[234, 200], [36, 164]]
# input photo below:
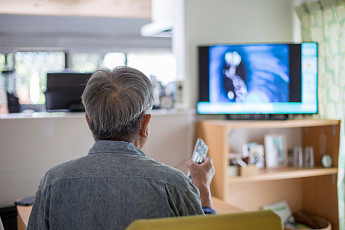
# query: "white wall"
[[297, 33], [30, 145], [226, 21]]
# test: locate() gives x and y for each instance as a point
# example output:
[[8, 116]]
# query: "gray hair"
[[116, 101]]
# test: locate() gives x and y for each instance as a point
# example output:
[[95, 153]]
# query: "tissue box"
[[233, 170]]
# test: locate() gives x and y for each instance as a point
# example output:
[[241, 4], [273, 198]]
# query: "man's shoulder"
[[169, 175], [62, 170]]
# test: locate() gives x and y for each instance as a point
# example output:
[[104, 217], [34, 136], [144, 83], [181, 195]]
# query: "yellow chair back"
[[254, 220]]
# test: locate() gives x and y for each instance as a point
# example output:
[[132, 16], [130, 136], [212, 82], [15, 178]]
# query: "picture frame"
[[257, 156], [275, 150], [246, 149], [255, 153]]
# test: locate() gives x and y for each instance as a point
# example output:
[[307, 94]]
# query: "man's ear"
[[87, 119], [145, 125]]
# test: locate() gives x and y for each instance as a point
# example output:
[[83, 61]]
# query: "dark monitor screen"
[[64, 91], [258, 79]]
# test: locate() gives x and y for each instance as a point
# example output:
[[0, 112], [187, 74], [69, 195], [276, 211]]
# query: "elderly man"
[[116, 183]]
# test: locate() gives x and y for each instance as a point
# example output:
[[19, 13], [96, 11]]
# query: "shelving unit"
[[311, 189]]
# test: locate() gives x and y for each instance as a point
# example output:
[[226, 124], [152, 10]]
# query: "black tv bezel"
[[203, 82]]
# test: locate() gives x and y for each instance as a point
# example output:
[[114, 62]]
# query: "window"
[[6, 72], [2, 62], [2, 68], [31, 69], [111, 60], [6, 62], [160, 65], [85, 62]]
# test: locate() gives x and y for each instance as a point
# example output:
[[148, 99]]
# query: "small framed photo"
[[275, 150], [255, 154], [246, 149]]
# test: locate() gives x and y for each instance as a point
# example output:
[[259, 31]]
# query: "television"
[[64, 90], [266, 79]]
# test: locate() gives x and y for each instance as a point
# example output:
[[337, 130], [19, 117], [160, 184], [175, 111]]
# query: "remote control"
[[200, 151]]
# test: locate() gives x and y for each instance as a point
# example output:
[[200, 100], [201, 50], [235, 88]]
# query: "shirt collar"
[[116, 147]]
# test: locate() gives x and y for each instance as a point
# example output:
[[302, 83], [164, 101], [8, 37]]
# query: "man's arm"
[[38, 217], [201, 175]]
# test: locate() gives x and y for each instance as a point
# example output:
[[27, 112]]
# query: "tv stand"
[[257, 117]]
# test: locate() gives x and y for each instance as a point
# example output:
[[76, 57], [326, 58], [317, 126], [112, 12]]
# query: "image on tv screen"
[[249, 73]]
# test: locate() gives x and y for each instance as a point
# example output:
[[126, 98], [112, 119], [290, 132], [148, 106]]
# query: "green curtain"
[[324, 22]]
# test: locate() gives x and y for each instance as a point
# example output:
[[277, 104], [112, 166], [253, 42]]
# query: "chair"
[[253, 220]]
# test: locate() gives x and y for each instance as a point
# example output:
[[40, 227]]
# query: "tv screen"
[[258, 79], [64, 91]]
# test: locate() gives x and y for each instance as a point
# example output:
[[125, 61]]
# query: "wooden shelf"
[[284, 173], [271, 124], [311, 189]]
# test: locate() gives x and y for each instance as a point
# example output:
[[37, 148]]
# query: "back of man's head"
[[115, 102]]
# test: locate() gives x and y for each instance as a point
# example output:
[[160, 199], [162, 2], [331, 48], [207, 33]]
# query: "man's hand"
[[201, 175]]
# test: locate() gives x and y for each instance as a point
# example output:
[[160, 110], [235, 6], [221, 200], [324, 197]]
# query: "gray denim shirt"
[[109, 188]]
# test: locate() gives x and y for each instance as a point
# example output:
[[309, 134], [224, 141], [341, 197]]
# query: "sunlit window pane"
[[31, 70], [85, 62], [6, 61], [160, 65], [2, 68], [2, 62], [6, 72], [111, 60], [9, 61]]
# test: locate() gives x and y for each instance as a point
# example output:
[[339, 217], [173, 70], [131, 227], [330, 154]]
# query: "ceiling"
[[72, 25], [72, 22], [98, 8], [120, 18]]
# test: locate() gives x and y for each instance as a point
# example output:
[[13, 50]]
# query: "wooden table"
[[23, 216], [220, 206]]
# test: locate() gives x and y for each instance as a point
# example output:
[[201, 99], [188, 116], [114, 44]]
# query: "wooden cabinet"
[[311, 189]]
